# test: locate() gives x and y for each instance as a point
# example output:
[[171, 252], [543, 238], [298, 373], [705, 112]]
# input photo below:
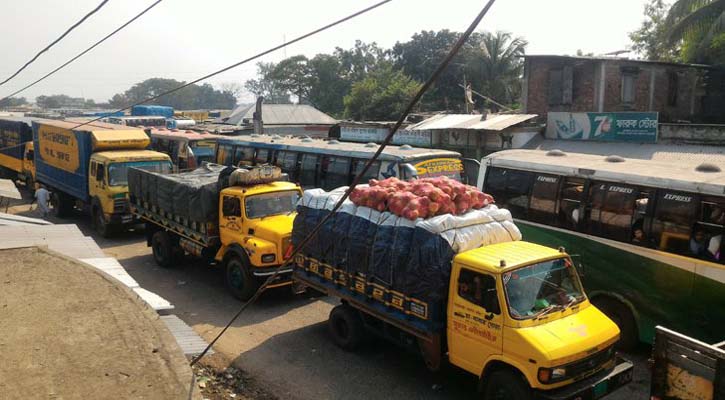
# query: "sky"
[[186, 39]]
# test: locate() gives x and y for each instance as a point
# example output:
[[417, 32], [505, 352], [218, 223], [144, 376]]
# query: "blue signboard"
[[640, 127]]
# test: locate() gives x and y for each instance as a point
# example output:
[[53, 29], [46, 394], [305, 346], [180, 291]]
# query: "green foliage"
[[13, 102], [381, 96], [266, 85], [61, 100], [191, 97], [650, 41], [697, 25]]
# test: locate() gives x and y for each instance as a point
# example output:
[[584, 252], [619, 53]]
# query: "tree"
[[498, 63], [191, 97], [236, 89], [700, 26], [650, 40], [293, 76], [381, 96], [48, 101], [359, 61], [13, 102], [266, 85], [328, 85], [119, 100]]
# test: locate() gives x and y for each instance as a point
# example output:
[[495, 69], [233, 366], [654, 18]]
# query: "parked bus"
[[141, 120], [331, 164], [187, 149], [648, 233]]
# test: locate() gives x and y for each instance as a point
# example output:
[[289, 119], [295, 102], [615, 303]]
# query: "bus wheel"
[[622, 316], [162, 249], [239, 279], [346, 327], [505, 385]]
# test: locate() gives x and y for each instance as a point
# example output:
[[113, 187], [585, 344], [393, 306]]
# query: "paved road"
[[282, 340]]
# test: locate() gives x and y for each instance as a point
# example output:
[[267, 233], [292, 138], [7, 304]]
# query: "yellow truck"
[[464, 290], [16, 150], [239, 218], [86, 168]]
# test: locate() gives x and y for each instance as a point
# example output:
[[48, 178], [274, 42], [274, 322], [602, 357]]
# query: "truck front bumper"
[[594, 387], [123, 219], [283, 278]]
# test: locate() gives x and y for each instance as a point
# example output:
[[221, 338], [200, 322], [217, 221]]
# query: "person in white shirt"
[[42, 195]]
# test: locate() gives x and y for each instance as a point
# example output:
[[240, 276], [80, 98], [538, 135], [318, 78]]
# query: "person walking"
[[42, 195]]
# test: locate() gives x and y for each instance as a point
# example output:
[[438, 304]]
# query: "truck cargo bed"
[[195, 231]]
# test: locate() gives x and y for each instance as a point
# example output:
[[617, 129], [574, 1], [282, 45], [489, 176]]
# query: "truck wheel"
[[100, 224], [239, 279], [346, 327], [622, 316], [162, 249], [61, 204], [505, 385]]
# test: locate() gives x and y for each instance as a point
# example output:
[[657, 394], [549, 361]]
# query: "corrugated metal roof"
[[281, 114], [494, 122]]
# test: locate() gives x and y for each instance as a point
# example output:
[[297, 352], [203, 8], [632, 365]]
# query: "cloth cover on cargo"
[[192, 195], [14, 134], [411, 257]]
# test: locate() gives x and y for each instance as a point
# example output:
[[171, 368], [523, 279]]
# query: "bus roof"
[[334, 147], [132, 117], [185, 134], [687, 174], [72, 123]]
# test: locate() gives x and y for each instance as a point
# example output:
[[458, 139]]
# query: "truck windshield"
[[540, 288], [266, 204], [118, 172]]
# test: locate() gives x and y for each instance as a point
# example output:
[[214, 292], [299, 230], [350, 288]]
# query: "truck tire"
[[346, 327], [62, 205], [101, 226], [239, 279], [162, 249], [506, 385], [622, 316]]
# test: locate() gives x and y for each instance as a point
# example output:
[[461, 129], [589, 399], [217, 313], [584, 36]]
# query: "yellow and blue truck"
[[86, 167], [16, 150], [465, 290]]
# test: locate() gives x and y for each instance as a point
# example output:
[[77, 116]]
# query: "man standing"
[[42, 195]]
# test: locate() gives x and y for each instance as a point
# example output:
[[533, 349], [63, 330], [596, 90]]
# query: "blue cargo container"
[[163, 111], [15, 133]]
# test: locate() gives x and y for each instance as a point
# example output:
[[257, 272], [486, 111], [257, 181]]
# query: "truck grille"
[[581, 368], [120, 206]]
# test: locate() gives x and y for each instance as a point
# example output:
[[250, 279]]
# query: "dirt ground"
[[281, 342], [69, 332]]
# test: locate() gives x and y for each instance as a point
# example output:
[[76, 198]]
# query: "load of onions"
[[422, 198]]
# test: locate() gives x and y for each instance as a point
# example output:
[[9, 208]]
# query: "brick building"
[[679, 92]]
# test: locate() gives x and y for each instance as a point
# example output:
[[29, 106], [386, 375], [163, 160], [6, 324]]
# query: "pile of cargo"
[[397, 253], [422, 198]]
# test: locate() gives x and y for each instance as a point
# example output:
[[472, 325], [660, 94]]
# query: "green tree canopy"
[[650, 41], [13, 102], [191, 97], [381, 96], [700, 26]]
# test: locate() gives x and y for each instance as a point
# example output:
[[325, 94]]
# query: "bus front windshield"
[[118, 172], [266, 204], [541, 288]]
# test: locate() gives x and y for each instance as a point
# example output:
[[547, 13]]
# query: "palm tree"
[[700, 26], [498, 65]]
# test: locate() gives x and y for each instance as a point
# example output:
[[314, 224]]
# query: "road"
[[282, 340]]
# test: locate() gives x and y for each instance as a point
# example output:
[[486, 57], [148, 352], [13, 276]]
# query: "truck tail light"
[[289, 251]]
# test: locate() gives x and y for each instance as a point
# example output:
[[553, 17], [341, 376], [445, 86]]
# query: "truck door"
[[230, 221], [474, 319]]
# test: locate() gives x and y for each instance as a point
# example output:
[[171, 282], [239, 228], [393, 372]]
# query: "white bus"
[[649, 232]]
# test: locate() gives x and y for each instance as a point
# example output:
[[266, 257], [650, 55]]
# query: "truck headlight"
[[268, 258], [551, 375]]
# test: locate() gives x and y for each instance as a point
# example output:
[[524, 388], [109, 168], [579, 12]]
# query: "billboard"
[[376, 135], [640, 127]]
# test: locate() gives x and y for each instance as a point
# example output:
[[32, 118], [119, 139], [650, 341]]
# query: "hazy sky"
[[185, 39]]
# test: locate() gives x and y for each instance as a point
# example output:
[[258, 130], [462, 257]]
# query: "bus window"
[[542, 206], [372, 173], [334, 172], [641, 221], [712, 223], [674, 215], [572, 195], [510, 189], [308, 170], [612, 209], [243, 155], [225, 155], [287, 161], [262, 156]]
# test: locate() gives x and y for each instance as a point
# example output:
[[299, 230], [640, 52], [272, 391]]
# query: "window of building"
[[674, 216], [510, 189], [479, 289], [629, 85], [570, 200], [673, 83], [542, 206], [561, 82], [612, 209]]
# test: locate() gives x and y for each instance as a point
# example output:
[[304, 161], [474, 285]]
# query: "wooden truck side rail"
[[685, 368], [195, 231]]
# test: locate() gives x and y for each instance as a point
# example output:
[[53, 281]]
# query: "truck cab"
[[255, 227], [108, 183], [518, 318]]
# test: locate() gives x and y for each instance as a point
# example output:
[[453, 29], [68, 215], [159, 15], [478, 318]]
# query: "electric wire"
[[103, 3], [120, 28], [252, 58], [442, 66]]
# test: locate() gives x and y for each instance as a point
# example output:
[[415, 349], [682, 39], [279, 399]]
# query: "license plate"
[[126, 218], [600, 389]]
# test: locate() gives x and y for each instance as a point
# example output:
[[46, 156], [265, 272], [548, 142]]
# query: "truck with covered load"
[[460, 286], [16, 150], [239, 218], [86, 167]]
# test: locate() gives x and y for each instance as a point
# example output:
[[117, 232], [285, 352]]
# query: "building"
[[282, 119], [677, 92]]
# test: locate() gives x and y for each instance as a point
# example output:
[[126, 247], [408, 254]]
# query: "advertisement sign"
[[450, 167], [377, 135], [58, 147], [640, 127]]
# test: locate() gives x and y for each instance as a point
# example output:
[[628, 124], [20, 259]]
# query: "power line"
[[442, 66], [284, 44], [103, 3], [86, 50]]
